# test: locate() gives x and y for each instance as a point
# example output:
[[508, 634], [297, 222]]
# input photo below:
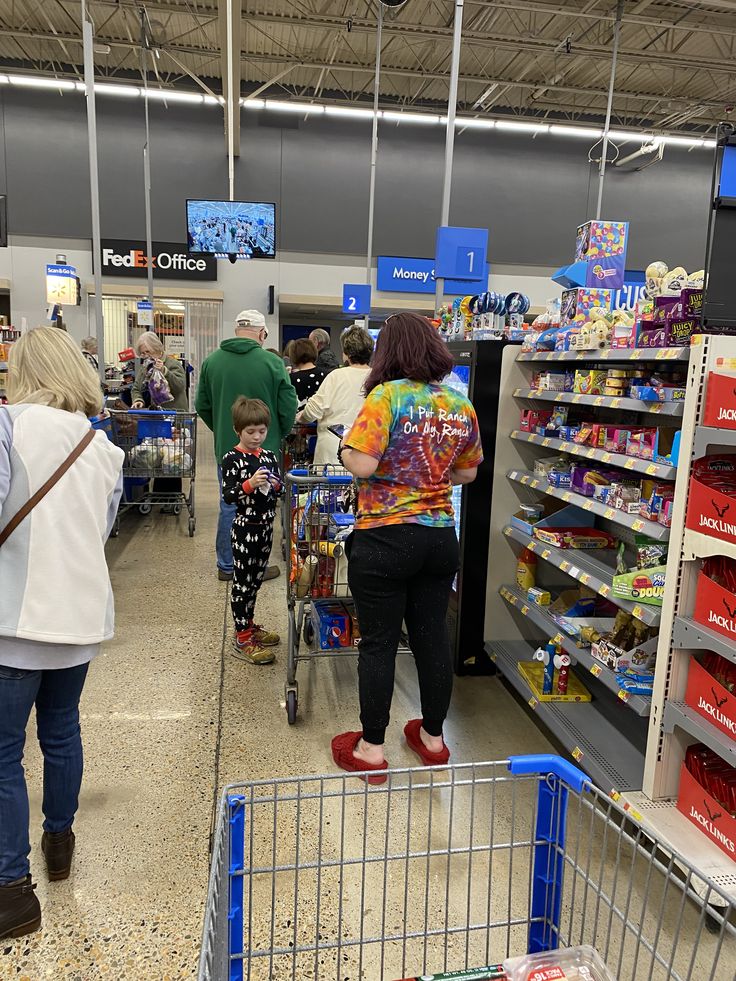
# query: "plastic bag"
[[146, 456], [158, 387]]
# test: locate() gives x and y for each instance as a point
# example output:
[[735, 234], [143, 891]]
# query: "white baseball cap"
[[250, 318]]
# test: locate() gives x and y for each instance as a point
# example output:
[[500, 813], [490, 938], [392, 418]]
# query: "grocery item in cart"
[[490, 973], [571, 964]]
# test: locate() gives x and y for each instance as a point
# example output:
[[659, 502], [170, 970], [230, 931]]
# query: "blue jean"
[[224, 545], [56, 696]]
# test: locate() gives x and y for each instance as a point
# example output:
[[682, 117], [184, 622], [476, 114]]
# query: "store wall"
[[530, 192]]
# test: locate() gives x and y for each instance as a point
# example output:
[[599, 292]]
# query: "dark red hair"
[[408, 346]]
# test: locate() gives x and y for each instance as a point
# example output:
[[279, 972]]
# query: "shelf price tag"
[[635, 355], [596, 670], [585, 579], [591, 453], [567, 496], [588, 506], [623, 695], [525, 610], [657, 407], [599, 400], [652, 468], [560, 397], [564, 565], [638, 525], [533, 703], [532, 546], [577, 754], [609, 513], [546, 553], [615, 403], [605, 590], [547, 441], [577, 399], [638, 612], [606, 458], [525, 479], [630, 464], [566, 447], [535, 484]]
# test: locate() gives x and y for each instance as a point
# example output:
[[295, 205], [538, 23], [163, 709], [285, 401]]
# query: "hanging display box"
[[706, 813], [710, 511], [707, 696], [715, 607], [720, 401]]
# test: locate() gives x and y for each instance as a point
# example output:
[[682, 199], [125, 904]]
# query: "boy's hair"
[[250, 412]]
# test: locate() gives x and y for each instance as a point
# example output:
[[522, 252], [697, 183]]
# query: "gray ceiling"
[[676, 69]]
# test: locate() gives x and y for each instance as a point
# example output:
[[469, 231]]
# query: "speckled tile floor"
[[133, 906]]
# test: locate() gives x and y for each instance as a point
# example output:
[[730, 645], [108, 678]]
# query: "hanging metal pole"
[[607, 127], [450, 135], [94, 186], [374, 151], [231, 103], [147, 161]]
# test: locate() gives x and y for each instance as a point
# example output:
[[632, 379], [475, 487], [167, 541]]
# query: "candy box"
[[551, 381], [579, 302], [641, 586], [651, 335], [641, 657], [624, 497], [568, 433], [652, 503], [582, 538], [680, 329], [529, 516], [589, 381], [532, 420], [539, 596], [490, 973], [616, 439], [692, 302], [585, 479]]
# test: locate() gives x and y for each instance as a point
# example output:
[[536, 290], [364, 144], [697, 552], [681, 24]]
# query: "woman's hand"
[[138, 404], [159, 365], [299, 416]]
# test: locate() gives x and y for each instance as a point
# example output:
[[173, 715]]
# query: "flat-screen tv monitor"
[[243, 228]]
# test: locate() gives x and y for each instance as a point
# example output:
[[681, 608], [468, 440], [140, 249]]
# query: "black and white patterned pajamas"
[[252, 531]]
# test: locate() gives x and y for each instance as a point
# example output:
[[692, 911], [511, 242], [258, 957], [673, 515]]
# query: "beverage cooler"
[[477, 374]]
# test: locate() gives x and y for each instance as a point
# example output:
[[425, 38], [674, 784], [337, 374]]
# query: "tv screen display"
[[243, 228]]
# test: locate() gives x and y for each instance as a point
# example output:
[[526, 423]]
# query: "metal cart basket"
[[447, 869], [318, 509], [159, 446]]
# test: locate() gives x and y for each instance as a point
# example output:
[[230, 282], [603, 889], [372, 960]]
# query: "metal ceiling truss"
[[528, 58]]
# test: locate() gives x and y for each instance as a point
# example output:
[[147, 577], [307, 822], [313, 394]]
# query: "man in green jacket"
[[241, 367]]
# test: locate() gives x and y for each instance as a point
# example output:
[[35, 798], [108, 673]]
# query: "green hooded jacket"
[[241, 367]]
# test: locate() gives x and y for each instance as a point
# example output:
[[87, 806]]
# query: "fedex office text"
[[137, 259]]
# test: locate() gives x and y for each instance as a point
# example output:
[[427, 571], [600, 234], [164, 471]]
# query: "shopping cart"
[[159, 447], [297, 453], [319, 504], [446, 869]]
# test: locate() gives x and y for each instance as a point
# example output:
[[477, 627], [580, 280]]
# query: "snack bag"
[[158, 387], [571, 964]]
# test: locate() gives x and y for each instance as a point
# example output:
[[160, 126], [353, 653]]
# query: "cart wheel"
[[284, 552], [115, 529], [145, 508], [177, 509], [292, 706], [308, 631], [192, 526]]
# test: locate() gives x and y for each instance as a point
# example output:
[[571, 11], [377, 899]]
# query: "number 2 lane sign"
[[356, 299]]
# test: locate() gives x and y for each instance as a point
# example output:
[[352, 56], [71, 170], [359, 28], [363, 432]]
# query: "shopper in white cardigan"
[[56, 604], [340, 396]]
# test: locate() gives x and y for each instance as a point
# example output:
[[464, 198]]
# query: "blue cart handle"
[[303, 478], [549, 763]]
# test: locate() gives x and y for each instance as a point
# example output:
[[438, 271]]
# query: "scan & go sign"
[[170, 260]]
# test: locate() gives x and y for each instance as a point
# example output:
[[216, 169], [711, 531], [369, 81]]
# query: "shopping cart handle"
[[307, 479], [549, 763]]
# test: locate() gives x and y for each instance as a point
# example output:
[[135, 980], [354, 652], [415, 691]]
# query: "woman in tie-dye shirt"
[[412, 440]]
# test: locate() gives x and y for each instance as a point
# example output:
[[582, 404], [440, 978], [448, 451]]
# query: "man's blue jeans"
[[224, 544], [56, 697]]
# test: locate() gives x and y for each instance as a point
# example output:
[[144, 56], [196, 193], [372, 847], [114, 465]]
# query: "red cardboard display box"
[[715, 607], [710, 699], [720, 401], [709, 510], [706, 813]]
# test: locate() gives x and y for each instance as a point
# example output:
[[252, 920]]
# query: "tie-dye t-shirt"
[[420, 433]]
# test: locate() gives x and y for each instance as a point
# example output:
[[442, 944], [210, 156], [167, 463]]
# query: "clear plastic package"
[[570, 964]]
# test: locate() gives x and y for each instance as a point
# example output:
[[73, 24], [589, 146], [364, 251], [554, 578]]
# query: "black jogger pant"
[[251, 552], [402, 573]]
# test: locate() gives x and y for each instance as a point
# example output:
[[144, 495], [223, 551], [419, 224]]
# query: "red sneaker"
[[342, 753], [414, 742]]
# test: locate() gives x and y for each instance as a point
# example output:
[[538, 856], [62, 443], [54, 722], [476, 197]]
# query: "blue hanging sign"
[[398, 274], [461, 252], [631, 292], [356, 299]]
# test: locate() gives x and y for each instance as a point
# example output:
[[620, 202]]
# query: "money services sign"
[[170, 260], [410, 275]]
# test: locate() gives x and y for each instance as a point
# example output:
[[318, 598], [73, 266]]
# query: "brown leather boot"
[[20, 910], [58, 850]]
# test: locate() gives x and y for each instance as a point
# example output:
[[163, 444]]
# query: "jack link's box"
[[707, 696], [715, 607], [711, 511], [720, 401], [706, 813]]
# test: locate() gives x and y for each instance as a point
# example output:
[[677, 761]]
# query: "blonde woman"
[[56, 604], [151, 352]]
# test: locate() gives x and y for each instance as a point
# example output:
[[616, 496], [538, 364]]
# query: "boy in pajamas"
[[251, 480]]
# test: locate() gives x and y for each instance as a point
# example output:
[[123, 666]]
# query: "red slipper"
[[342, 753], [414, 741]]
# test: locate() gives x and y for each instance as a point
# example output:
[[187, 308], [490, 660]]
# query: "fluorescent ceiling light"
[[213, 100], [467, 123], [4, 79], [575, 131], [410, 117], [710, 143], [34, 82], [253, 103], [303, 108], [172, 95], [685, 141], [519, 127], [108, 88], [617, 134], [349, 111]]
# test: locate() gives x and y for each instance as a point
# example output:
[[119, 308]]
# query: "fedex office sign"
[[168, 261]]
